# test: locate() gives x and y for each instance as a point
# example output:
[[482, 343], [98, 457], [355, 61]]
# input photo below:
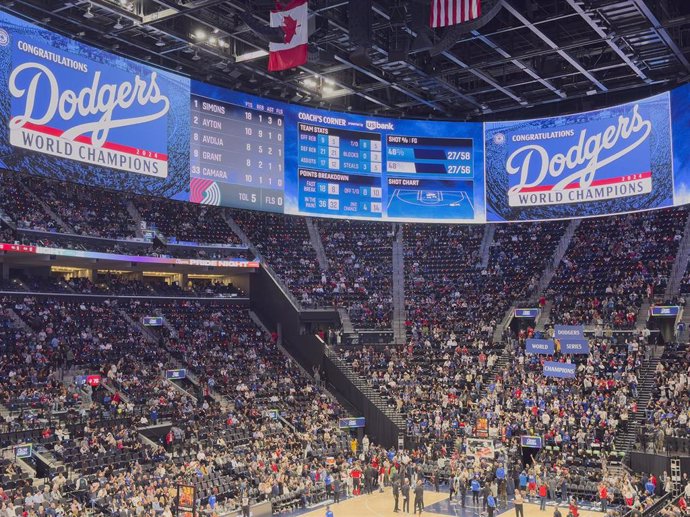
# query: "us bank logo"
[[600, 159], [69, 106]]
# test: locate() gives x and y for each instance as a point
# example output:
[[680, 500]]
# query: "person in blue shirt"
[[649, 487], [329, 512], [523, 481], [500, 472], [476, 487], [491, 505]]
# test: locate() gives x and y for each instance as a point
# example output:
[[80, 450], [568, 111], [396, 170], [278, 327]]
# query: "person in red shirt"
[[603, 497], [356, 475], [542, 495]]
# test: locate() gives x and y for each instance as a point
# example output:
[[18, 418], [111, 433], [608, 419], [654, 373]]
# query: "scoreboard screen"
[[241, 149], [344, 165]]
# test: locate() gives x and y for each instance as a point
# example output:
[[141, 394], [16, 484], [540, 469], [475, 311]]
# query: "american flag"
[[451, 12]]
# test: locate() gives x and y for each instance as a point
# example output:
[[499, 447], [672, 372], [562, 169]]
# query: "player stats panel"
[[339, 171], [429, 178], [241, 149]]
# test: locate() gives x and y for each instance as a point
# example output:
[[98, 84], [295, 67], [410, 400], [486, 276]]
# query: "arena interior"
[[344, 258]]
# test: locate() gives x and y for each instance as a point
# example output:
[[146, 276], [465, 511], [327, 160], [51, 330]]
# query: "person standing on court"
[[336, 488], [518, 502], [419, 497], [462, 487], [476, 488], [542, 495], [245, 505], [603, 496], [491, 505], [406, 495], [557, 512], [396, 494], [329, 512]]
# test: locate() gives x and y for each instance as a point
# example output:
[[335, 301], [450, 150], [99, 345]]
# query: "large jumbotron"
[[344, 257]]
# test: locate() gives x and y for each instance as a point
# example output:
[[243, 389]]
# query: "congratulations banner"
[[574, 346], [601, 162], [539, 346], [74, 112], [560, 370]]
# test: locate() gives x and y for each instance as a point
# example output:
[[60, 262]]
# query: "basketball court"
[[381, 505]]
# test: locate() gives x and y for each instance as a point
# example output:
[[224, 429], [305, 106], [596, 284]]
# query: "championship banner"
[[74, 112], [539, 346], [560, 370], [480, 448], [574, 346], [568, 331], [600, 162]]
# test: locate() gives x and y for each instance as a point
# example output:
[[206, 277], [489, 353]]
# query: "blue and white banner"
[[534, 442], [539, 346], [560, 370], [568, 331], [664, 310], [574, 345], [600, 162], [526, 313]]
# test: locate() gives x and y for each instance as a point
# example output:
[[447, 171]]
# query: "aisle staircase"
[[625, 441], [136, 217], [680, 265], [485, 246], [317, 243], [399, 331], [66, 228], [558, 255], [370, 393]]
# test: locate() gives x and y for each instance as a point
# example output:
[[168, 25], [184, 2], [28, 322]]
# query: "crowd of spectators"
[[613, 264], [283, 241], [667, 422], [360, 269]]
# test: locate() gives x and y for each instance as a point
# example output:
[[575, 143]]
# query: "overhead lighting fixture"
[[200, 34], [88, 14], [249, 56], [118, 25], [253, 79], [196, 57], [160, 43]]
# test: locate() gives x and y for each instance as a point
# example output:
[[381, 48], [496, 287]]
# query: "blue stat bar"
[[420, 155], [339, 149]]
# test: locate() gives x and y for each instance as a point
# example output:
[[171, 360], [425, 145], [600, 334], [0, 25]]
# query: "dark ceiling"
[[533, 58]]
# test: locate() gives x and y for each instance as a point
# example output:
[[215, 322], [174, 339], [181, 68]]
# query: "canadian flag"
[[292, 52]]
